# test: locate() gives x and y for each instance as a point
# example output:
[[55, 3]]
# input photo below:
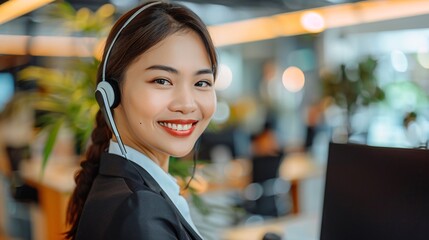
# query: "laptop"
[[375, 193]]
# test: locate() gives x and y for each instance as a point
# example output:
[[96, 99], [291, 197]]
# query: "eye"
[[162, 81], [204, 83]]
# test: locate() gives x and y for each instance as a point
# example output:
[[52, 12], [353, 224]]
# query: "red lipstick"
[[178, 127]]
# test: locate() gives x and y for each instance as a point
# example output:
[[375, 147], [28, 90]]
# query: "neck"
[[163, 163], [161, 159]]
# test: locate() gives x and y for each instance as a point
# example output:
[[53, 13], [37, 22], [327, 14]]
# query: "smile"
[[179, 128]]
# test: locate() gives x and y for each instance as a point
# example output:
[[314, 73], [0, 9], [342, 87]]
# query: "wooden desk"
[[54, 190], [296, 167]]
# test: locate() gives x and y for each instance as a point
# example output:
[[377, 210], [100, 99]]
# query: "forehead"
[[180, 48]]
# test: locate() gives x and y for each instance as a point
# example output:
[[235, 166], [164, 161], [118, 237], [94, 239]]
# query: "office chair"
[[267, 195]]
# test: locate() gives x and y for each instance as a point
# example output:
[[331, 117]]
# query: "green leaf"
[[180, 168], [49, 144], [201, 205]]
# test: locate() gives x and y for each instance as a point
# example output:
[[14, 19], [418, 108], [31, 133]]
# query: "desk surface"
[[289, 228]]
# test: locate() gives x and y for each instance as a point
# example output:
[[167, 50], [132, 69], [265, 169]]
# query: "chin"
[[181, 153]]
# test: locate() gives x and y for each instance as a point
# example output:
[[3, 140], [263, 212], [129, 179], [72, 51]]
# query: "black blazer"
[[125, 202]]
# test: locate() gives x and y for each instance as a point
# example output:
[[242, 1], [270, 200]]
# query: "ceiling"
[[221, 11], [212, 12], [285, 5]]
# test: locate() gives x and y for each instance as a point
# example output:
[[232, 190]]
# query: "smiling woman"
[[165, 90], [156, 96]]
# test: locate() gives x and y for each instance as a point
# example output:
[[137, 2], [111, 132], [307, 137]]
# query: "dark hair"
[[150, 27]]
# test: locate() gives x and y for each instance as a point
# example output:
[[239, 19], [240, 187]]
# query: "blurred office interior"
[[294, 76]]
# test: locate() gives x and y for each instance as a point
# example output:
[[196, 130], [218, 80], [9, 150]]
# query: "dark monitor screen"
[[376, 193]]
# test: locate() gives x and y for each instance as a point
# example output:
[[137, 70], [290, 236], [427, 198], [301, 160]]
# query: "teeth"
[[177, 127]]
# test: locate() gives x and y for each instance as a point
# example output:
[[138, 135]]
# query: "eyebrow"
[[175, 71]]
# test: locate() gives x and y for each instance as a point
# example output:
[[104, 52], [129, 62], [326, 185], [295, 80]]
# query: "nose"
[[183, 101]]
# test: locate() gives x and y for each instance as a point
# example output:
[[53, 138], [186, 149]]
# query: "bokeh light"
[[313, 22], [222, 113], [7, 89], [107, 10], [293, 79], [399, 61], [224, 77], [423, 57]]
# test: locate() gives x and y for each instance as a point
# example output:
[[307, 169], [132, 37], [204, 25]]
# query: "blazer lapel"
[[115, 165]]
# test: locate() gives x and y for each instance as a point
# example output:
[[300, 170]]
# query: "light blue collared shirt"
[[166, 181]]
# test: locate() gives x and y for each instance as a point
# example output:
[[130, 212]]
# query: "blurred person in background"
[[264, 142], [164, 64], [314, 116]]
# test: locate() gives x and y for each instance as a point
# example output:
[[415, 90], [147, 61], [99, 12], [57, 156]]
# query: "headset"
[[107, 92]]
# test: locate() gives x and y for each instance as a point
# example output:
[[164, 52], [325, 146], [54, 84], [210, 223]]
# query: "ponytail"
[[85, 177]]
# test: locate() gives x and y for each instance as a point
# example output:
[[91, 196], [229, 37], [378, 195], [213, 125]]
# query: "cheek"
[[209, 106], [146, 105]]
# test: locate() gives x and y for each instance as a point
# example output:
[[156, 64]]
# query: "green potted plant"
[[353, 87], [66, 100], [65, 94]]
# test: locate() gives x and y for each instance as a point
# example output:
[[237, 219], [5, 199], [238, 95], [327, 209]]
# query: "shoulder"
[[145, 200], [145, 214]]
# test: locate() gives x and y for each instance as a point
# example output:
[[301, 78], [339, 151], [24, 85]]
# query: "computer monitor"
[[376, 193]]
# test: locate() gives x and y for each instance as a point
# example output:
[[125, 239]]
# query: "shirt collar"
[[165, 180]]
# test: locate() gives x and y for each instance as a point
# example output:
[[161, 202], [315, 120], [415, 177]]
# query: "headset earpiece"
[[112, 93]]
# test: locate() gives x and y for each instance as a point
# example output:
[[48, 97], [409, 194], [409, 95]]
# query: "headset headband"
[[119, 32]]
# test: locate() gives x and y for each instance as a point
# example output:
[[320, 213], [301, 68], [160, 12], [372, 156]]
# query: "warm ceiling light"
[[290, 24], [62, 46], [51, 46], [313, 22], [280, 25], [14, 44], [15, 8]]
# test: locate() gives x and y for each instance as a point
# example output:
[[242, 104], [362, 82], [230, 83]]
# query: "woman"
[[164, 63]]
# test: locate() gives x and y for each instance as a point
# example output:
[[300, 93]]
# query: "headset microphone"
[[107, 92]]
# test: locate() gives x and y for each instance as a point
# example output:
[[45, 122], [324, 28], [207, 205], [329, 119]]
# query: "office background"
[[294, 75]]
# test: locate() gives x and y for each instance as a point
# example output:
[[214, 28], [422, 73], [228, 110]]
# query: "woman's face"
[[167, 97]]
